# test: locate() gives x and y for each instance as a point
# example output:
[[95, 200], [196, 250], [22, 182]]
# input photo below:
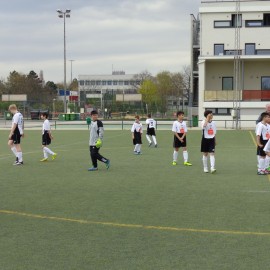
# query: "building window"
[[222, 24], [126, 82], [227, 83], [236, 20], [81, 82], [87, 82], [115, 82], [266, 19], [263, 52], [98, 82], [250, 49], [220, 111], [104, 82], [265, 83], [121, 83], [109, 82], [254, 23], [218, 49], [93, 83]]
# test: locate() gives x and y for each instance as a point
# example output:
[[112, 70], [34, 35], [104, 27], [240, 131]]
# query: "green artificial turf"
[[57, 215]]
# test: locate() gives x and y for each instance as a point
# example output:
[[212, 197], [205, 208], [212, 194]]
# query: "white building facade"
[[219, 53], [123, 87]]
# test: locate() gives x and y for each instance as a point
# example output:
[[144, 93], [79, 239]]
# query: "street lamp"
[[71, 70], [64, 14]]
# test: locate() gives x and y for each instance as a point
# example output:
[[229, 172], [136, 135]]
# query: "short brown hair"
[[137, 117]]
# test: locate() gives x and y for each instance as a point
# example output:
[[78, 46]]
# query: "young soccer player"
[[208, 142], [180, 139], [137, 130], [46, 138], [16, 132], [262, 137], [151, 130], [95, 142]]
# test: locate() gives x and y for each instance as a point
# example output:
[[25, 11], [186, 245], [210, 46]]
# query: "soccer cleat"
[[44, 159], [155, 145], [174, 163], [92, 169], [108, 164], [187, 163], [54, 156], [261, 172], [18, 163], [213, 170], [205, 170], [150, 144], [137, 153]]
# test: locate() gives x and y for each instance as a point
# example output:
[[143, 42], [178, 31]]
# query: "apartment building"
[[232, 60]]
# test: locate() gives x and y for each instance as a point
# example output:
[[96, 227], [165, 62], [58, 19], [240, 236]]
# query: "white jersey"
[[263, 130], [137, 127], [18, 120], [151, 123], [46, 126], [210, 130], [179, 127]]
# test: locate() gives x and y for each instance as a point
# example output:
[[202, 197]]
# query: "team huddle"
[[179, 130]]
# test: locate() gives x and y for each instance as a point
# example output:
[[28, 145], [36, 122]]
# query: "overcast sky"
[[129, 35]]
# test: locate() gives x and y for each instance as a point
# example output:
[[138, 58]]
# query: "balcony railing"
[[243, 95]]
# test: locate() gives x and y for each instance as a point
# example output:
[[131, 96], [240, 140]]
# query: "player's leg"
[[93, 156], [212, 162], [154, 140], [18, 148], [13, 149], [205, 162], [148, 139], [175, 155], [102, 159]]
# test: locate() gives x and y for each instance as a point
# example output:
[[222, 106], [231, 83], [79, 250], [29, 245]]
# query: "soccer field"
[[142, 213]]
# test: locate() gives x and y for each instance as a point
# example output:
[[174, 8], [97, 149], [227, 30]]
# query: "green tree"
[[148, 90]]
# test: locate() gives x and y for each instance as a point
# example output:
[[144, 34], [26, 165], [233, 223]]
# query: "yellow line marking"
[[253, 139], [133, 226]]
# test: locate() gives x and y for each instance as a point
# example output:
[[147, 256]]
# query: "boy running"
[[16, 132], [46, 138], [180, 139], [151, 130], [95, 142], [208, 142], [137, 130]]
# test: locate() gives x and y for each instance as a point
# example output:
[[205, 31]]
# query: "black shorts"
[[137, 138], [151, 132], [208, 145], [177, 143], [46, 140], [16, 137], [260, 151]]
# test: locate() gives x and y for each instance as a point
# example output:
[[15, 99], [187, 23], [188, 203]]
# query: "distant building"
[[122, 87], [231, 55]]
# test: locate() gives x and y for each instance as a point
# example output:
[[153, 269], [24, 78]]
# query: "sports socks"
[[212, 161], [154, 139], [205, 165], [13, 149], [175, 155], [48, 150], [185, 156], [19, 156], [148, 138]]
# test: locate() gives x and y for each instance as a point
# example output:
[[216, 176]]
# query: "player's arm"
[[177, 136], [258, 141], [50, 134], [12, 130]]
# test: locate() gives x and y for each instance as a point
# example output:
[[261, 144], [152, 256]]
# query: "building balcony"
[[243, 95]]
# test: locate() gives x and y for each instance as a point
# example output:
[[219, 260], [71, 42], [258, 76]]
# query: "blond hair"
[[12, 107]]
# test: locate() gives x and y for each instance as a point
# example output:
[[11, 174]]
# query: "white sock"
[[148, 138], [212, 161], [45, 154], [267, 161], [19, 155], [258, 160], [154, 139], [185, 156], [261, 164], [139, 148], [13, 149], [136, 149], [205, 165], [175, 156], [48, 150]]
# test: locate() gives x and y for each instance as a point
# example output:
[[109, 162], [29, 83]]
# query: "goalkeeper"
[[95, 142]]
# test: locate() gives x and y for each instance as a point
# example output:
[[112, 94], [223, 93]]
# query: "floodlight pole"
[[64, 14]]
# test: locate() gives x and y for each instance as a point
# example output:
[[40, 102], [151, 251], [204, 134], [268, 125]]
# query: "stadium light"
[[64, 14]]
